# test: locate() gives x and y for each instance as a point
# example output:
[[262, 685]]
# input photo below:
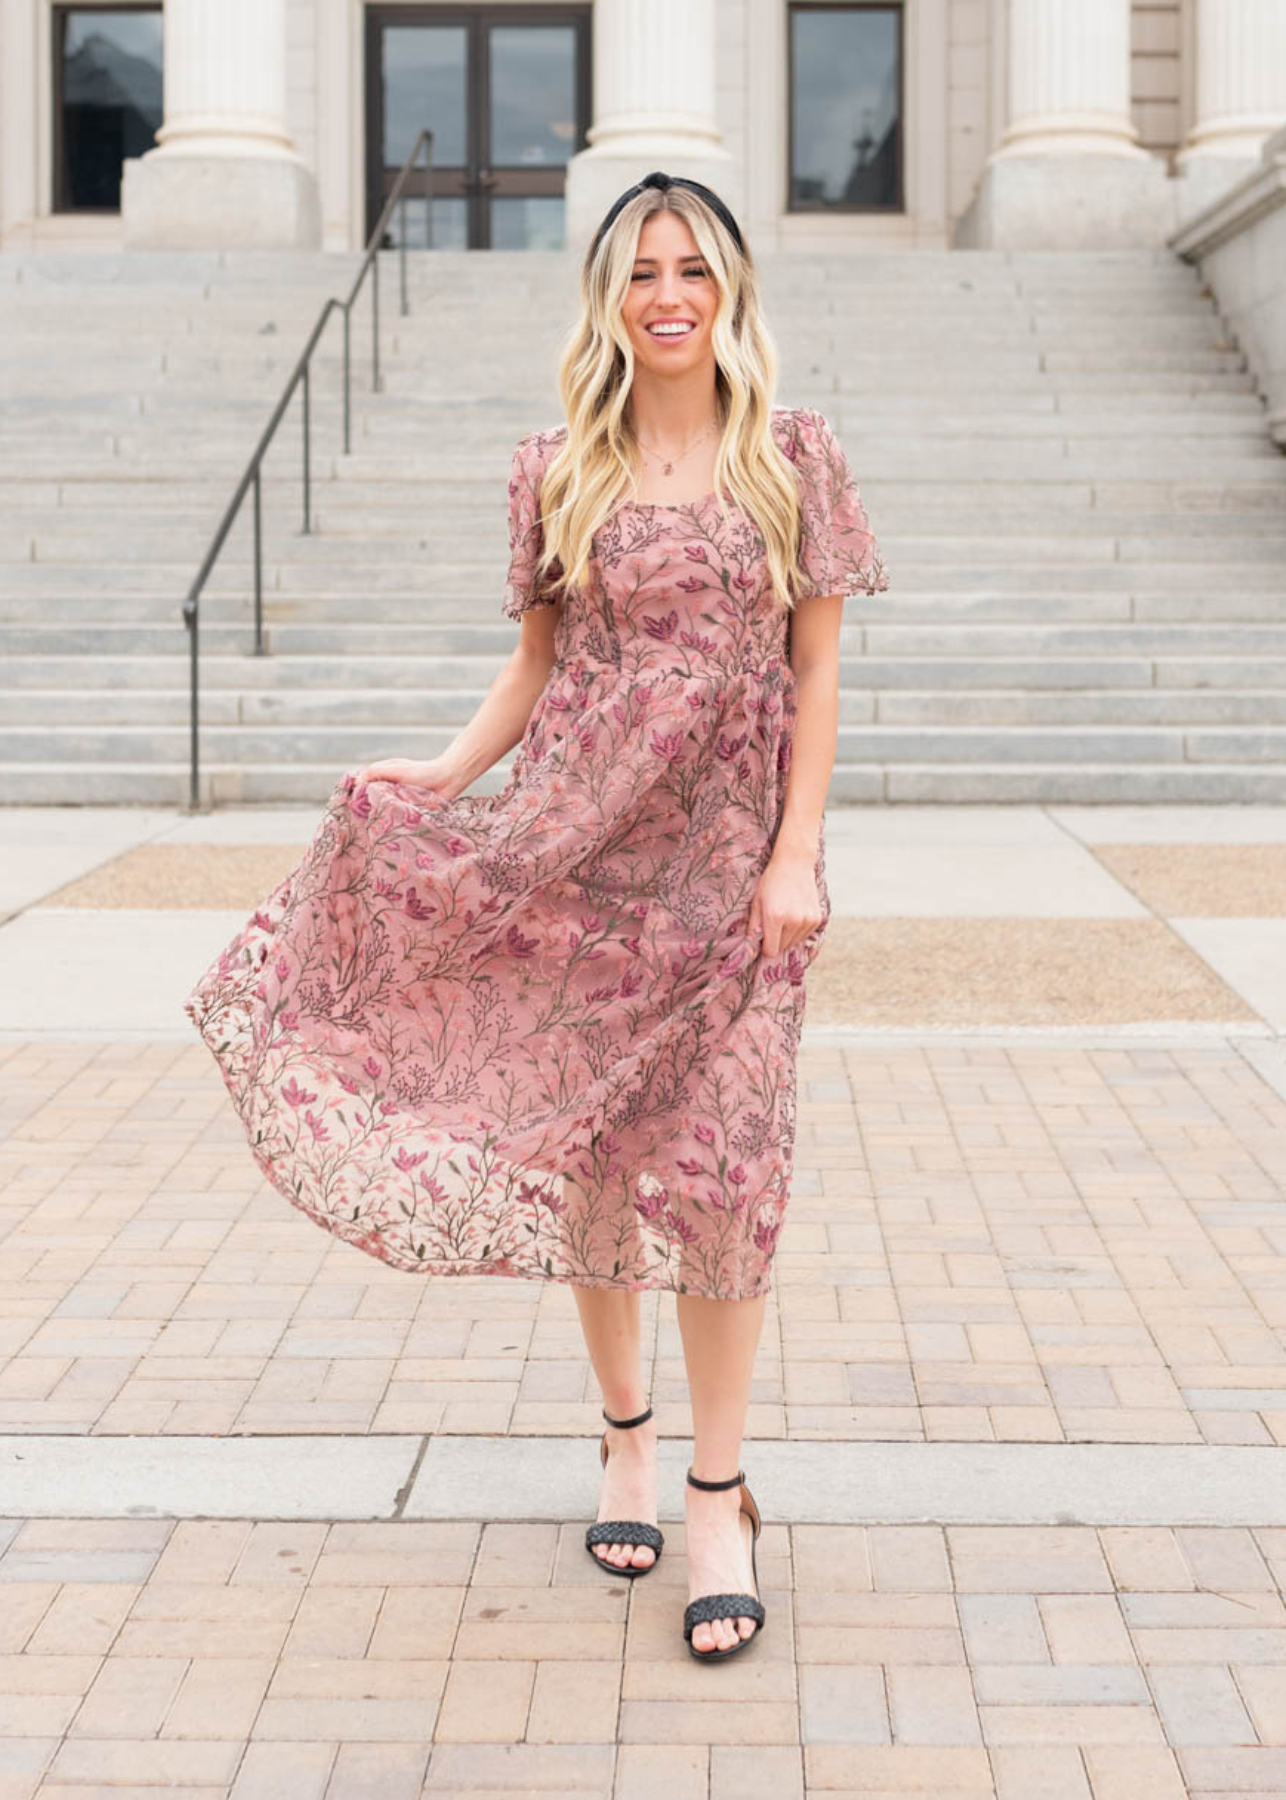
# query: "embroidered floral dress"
[[451, 1005]]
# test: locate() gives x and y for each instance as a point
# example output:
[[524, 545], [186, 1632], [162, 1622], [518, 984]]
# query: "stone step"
[[1005, 781], [384, 706], [455, 588], [874, 743], [141, 542], [889, 641], [135, 680]]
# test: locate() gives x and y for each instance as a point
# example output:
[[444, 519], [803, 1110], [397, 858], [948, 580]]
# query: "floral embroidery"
[[450, 1005]]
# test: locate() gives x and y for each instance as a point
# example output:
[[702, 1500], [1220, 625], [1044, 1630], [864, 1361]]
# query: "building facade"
[[826, 124]]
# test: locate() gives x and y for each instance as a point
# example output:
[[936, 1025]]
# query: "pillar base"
[[1068, 202], [596, 176], [172, 201]]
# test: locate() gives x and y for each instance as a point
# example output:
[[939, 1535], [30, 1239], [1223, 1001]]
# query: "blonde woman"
[[551, 1032]]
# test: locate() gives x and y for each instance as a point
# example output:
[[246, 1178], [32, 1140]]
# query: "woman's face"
[[671, 300]]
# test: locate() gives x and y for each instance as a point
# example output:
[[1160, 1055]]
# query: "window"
[[107, 100], [845, 76]]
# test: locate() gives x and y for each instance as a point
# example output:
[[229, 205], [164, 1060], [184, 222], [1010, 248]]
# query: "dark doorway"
[[506, 90], [107, 100]]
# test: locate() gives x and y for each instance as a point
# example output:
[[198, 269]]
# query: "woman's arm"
[[786, 902], [498, 723]]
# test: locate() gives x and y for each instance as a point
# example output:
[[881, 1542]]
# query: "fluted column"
[[1240, 90], [225, 173], [654, 106], [1069, 79], [1069, 172]]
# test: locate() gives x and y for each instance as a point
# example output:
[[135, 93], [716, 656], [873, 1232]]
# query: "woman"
[[552, 1031]]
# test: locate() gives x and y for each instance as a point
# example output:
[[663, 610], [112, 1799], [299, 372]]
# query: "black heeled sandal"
[[706, 1608], [624, 1531]]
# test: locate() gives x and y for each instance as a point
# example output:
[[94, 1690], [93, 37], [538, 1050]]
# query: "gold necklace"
[[667, 466]]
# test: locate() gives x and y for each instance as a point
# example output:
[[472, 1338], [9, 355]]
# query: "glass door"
[[506, 92]]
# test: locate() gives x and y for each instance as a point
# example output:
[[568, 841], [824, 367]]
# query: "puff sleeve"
[[838, 551], [526, 536]]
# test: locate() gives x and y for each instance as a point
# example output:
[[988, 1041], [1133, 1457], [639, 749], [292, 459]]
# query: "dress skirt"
[[530, 1033]]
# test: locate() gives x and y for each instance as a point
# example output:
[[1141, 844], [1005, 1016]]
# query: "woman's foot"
[[629, 1488], [718, 1561]]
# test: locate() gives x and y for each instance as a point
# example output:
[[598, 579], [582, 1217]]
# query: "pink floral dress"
[[451, 1005]]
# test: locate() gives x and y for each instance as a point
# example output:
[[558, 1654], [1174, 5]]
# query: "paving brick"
[[932, 1705], [1085, 1628], [843, 1705], [764, 1772], [485, 1702], [1002, 1628], [129, 1698], [898, 1768], [284, 1772], [1202, 1705], [559, 1768], [1133, 1772], [662, 1772], [377, 1771], [153, 1762], [1039, 1772]]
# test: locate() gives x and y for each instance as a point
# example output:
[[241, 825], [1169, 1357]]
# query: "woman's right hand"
[[431, 776]]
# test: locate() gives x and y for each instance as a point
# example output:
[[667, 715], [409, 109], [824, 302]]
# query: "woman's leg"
[[610, 1320], [720, 1339]]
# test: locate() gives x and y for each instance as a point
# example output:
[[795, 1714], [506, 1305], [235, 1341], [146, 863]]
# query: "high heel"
[[706, 1608], [624, 1531]]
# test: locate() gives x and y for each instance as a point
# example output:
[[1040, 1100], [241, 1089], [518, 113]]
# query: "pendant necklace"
[[667, 466]]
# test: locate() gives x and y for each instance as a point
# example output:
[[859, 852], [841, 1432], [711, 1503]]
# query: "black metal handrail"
[[301, 376]]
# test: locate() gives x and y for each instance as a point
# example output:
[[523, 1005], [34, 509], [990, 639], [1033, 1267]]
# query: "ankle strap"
[[715, 1487], [624, 1424]]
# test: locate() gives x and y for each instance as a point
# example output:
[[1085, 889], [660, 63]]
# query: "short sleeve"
[[526, 536], [838, 551]]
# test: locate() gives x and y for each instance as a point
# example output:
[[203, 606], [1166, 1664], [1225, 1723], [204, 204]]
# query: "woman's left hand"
[[786, 902]]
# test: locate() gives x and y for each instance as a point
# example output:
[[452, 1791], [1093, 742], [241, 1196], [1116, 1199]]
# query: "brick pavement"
[[1001, 1242], [991, 1239], [252, 1659]]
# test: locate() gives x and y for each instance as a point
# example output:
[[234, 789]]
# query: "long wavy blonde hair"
[[590, 474]]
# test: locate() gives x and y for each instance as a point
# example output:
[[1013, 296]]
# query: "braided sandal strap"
[[709, 1607], [625, 1531]]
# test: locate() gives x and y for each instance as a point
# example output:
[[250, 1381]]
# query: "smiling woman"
[[552, 1032]]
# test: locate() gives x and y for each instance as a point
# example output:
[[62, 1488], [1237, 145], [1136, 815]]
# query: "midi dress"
[[530, 1033]]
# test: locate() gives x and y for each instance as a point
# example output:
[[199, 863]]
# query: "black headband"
[[657, 179]]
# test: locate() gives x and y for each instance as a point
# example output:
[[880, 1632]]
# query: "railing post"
[[348, 376], [258, 559], [308, 498], [401, 235], [375, 321], [428, 190], [194, 777]]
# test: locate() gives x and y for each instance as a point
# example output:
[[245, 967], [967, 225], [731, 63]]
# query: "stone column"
[[225, 173], [654, 103], [1240, 94], [1069, 79], [1069, 173]]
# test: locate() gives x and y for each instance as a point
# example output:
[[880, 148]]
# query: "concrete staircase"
[[1063, 455]]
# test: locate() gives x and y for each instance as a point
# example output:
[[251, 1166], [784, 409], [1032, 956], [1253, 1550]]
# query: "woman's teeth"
[[670, 330]]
